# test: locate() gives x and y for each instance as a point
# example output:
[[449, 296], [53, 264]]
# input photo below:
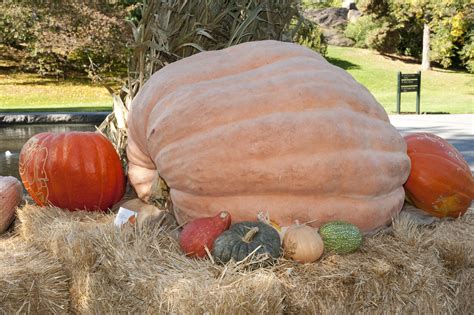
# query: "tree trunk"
[[425, 59]]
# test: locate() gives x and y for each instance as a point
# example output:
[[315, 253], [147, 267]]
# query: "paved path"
[[456, 129]]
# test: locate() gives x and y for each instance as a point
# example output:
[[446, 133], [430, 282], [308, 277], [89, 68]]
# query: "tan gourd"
[[267, 126], [11, 194], [302, 243]]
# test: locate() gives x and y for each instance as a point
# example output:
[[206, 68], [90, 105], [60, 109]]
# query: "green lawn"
[[30, 92], [442, 91]]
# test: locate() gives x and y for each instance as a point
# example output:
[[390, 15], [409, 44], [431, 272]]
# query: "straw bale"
[[31, 280], [412, 267], [66, 234]]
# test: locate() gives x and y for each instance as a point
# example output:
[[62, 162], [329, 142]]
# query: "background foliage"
[[66, 38], [396, 26], [62, 37]]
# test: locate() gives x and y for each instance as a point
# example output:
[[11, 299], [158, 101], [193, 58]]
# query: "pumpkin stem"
[[223, 214], [250, 234]]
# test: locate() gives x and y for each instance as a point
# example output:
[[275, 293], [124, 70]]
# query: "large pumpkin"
[[440, 180], [267, 126], [72, 170]]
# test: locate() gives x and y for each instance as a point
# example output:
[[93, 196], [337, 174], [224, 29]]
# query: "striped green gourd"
[[340, 237]]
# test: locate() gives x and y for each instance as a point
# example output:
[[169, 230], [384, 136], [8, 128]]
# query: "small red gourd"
[[201, 233], [440, 181], [72, 170], [11, 194]]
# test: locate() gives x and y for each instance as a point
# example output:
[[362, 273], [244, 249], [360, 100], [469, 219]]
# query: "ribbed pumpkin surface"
[[72, 170], [267, 126]]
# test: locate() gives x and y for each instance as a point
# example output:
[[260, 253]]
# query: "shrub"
[[16, 25], [70, 37], [359, 30], [467, 54], [442, 47], [383, 39], [310, 35], [315, 4]]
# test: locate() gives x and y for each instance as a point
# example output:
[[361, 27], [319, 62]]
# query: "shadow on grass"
[[57, 109], [344, 64], [43, 81], [405, 59]]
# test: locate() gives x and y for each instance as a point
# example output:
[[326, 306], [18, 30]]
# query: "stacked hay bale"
[[32, 280], [404, 269]]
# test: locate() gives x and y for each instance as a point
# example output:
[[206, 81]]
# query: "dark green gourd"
[[244, 238]]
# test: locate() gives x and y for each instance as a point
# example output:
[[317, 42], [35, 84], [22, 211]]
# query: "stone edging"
[[52, 117]]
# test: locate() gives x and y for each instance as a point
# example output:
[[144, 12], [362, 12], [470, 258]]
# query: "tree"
[[425, 59], [443, 27], [66, 38]]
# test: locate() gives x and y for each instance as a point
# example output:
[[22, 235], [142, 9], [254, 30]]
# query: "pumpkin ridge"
[[364, 213], [299, 193], [102, 171], [252, 173], [269, 120], [442, 185], [61, 154], [159, 119], [458, 164]]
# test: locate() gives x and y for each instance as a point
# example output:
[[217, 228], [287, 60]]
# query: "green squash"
[[244, 238], [340, 237]]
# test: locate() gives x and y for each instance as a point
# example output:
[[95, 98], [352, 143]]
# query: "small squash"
[[440, 181], [340, 237], [245, 238], [11, 194], [201, 233], [302, 243]]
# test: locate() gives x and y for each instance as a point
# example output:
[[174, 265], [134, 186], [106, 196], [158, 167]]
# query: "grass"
[[28, 92], [442, 91]]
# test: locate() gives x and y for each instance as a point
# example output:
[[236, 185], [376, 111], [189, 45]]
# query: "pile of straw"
[[407, 268], [31, 280]]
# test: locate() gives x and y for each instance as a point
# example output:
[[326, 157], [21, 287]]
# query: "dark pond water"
[[13, 137]]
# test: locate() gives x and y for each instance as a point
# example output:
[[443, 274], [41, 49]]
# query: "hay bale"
[[31, 280], [66, 234], [144, 271], [68, 237], [410, 268]]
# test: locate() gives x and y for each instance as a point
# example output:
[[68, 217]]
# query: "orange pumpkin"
[[72, 170], [440, 180], [267, 126]]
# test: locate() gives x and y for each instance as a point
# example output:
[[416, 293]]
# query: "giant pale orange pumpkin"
[[440, 180], [72, 170], [267, 126]]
